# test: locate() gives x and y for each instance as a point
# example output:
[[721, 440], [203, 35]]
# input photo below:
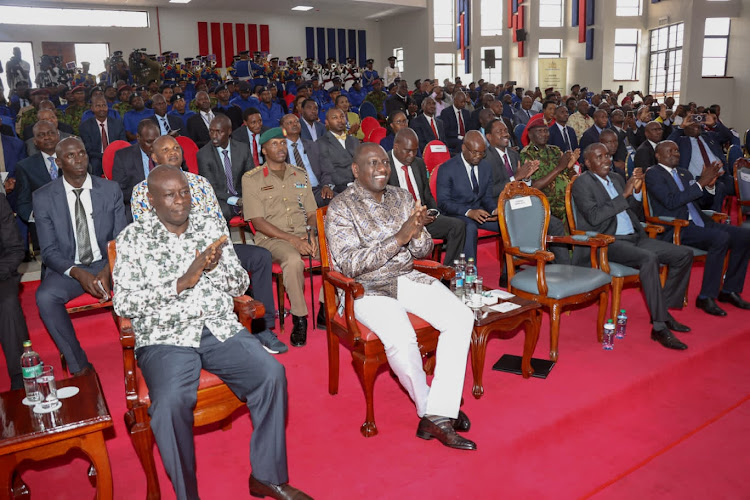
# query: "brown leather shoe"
[[461, 423], [443, 433], [284, 491]]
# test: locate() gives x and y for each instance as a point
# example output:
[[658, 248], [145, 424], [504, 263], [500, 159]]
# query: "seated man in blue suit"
[[591, 135], [699, 148], [76, 215], [456, 120], [38, 169], [99, 132], [673, 192], [464, 190], [560, 134], [13, 151]]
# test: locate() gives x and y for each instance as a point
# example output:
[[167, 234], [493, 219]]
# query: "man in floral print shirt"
[[175, 277]]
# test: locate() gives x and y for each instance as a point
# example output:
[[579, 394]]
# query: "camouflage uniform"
[[377, 100], [122, 108], [548, 157], [73, 115], [193, 106]]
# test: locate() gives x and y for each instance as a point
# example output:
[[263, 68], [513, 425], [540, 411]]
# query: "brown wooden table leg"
[[531, 336], [478, 351], [93, 446]]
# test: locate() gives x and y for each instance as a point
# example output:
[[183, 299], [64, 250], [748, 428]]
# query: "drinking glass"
[[47, 388]]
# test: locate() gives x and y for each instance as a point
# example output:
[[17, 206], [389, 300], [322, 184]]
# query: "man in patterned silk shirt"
[[374, 232], [175, 278]]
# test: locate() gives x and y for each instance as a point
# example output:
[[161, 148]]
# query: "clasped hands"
[[205, 261], [634, 183], [412, 228]]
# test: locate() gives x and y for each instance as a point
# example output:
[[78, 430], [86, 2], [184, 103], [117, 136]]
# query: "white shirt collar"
[[653, 144], [397, 164], [87, 184], [46, 157], [668, 169], [99, 124]]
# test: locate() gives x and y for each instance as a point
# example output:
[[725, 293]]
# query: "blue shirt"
[[624, 224], [146, 164], [271, 116], [183, 117], [132, 119], [251, 102], [301, 148]]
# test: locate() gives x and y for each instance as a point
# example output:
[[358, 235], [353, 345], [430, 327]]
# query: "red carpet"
[[639, 421]]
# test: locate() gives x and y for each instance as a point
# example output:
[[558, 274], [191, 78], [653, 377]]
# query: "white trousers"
[[436, 304]]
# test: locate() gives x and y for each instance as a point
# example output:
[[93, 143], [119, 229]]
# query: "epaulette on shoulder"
[[254, 171], [301, 169]]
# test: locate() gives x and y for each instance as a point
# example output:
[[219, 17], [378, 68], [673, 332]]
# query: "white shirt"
[[402, 178], [311, 128], [207, 118], [88, 210], [711, 190], [163, 123], [106, 130], [458, 114], [431, 121]]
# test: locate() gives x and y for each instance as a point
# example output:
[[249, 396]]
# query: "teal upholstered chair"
[[742, 190], [523, 215]]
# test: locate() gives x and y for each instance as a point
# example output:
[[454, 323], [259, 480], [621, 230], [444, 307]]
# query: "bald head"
[[161, 174], [169, 195], [473, 149], [165, 150]]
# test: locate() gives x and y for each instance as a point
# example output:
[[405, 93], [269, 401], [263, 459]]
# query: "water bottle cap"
[[622, 311], [610, 321], [27, 343]]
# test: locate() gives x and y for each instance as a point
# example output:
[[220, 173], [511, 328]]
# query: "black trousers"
[[453, 233], [172, 374], [257, 261], [13, 330]]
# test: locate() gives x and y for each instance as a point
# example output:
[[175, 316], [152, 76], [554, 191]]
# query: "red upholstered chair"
[[289, 99], [216, 402], [108, 159], [377, 135], [189, 153], [435, 154], [368, 353], [368, 125]]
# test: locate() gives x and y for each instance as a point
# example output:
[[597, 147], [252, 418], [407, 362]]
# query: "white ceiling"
[[358, 9]]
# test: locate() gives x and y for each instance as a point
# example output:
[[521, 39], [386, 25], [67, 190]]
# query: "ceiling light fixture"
[[303, 8], [179, 1]]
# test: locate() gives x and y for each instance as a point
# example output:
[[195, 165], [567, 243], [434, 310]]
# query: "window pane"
[[717, 26], [443, 67], [628, 8], [550, 47], [714, 66], [714, 47], [31, 16], [550, 13], [443, 20], [94, 54], [27, 54], [624, 55], [492, 17], [627, 36]]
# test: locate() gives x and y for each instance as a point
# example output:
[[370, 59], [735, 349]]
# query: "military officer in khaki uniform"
[[278, 200]]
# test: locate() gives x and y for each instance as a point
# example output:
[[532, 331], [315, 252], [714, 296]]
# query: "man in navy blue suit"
[[426, 125], [38, 169], [464, 190], [591, 135], [312, 129], [560, 134], [76, 215], [131, 165], [673, 192], [98, 132], [456, 120], [700, 147]]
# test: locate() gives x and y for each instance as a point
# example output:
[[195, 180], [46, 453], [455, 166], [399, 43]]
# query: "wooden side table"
[[529, 315], [79, 423]]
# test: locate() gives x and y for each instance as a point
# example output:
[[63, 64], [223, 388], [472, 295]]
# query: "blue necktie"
[[695, 215], [474, 182], [52, 168]]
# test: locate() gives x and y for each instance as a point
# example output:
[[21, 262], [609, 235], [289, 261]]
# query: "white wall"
[[407, 31]]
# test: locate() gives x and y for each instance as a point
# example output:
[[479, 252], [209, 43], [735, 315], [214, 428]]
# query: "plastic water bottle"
[[31, 368], [609, 336], [471, 274], [457, 282], [622, 323]]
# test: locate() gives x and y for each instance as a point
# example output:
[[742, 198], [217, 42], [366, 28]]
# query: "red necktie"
[[434, 130], [409, 185], [461, 129], [105, 141], [704, 154], [255, 152], [151, 164]]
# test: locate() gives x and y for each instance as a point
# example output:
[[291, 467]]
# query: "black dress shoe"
[[443, 433], [284, 491], [709, 305], [320, 321], [676, 326], [667, 339], [461, 423], [298, 338], [734, 299]]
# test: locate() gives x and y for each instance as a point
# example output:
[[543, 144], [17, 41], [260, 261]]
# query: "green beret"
[[273, 133]]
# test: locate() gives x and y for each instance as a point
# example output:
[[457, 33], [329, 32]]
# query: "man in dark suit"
[[132, 165], [223, 162], [560, 134], [498, 108], [12, 152], [98, 132], [197, 125], [410, 173], [645, 155], [673, 192], [608, 137], [249, 133], [399, 101], [606, 204], [464, 190], [456, 119], [312, 129], [337, 150], [617, 121], [74, 255], [36, 170], [591, 135], [475, 123], [49, 116], [505, 161], [168, 124], [306, 154], [700, 147], [426, 125], [13, 331]]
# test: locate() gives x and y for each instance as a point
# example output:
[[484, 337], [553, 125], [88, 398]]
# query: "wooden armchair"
[[677, 224], [216, 402], [368, 354], [523, 215], [622, 275]]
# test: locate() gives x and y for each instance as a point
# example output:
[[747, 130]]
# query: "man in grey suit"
[[312, 129], [131, 165], [223, 162], [74, 255], [337, 150], [505, 161], [524, 114], [409, 172], [46, 115], [605, 203], [306, 154]]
